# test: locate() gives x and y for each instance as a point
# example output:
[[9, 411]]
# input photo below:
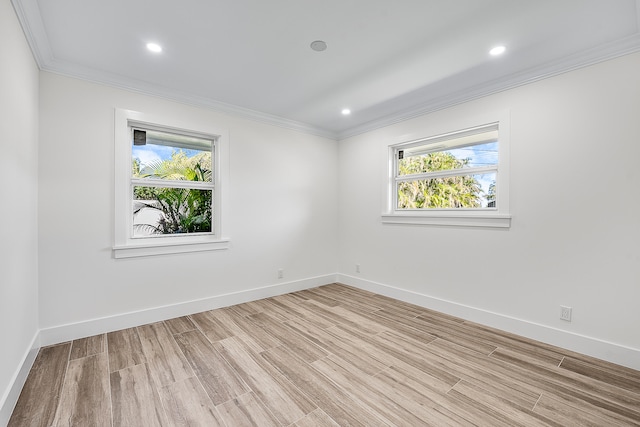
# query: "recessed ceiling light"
[[154, 47], [498, 50], [346, 111], [318, 45]]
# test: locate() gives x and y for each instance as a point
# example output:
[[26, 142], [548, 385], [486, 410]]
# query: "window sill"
[[164, 248], [449, 220]]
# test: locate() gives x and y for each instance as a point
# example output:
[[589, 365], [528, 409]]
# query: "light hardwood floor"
[[327, 356]]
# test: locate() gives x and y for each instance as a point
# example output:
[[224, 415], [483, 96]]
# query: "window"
[[168, 186], [457, 178], [172, 184]]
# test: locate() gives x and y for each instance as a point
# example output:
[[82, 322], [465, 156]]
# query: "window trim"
[[127, 246], [498, 217]]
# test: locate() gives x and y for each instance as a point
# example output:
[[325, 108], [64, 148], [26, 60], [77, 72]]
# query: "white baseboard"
[[11, 394], [601, 349], [612, 352], [71, 331]]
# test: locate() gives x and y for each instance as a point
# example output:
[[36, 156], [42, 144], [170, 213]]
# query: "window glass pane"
[[424, 159], [464, 191], [163, 155], [161, 211]]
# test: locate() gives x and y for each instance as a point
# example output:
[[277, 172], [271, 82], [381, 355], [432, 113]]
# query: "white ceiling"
[[386, 60]]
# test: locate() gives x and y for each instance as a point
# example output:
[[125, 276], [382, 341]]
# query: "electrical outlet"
[[565, 313], [357, 268], [280, 273]]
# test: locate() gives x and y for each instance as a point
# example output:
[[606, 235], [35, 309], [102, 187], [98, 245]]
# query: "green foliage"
[[491, 195], [179, 167], [183, 210], [446, 192]]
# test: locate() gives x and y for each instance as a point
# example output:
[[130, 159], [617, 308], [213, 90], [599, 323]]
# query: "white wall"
[[18, 206], [282, 214], [573, 239], [575, 155]]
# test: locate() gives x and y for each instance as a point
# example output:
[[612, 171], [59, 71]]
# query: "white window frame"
[[498, 217], [127, 246]]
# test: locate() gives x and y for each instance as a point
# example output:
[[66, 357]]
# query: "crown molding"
[[30, 19], [569, 63], [146, 88], [29, 16]]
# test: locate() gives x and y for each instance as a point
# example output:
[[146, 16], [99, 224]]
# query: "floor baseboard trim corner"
[[90, 327], [594, 347], [12, 393]]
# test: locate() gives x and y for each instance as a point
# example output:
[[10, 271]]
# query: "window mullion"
[[447, 173], [198, 185]]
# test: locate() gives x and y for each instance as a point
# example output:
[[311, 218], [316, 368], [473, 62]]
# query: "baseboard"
[[71, 331], [11, 394], [615, 353]]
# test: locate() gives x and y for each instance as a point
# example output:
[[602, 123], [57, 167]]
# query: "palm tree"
[[182, 210]]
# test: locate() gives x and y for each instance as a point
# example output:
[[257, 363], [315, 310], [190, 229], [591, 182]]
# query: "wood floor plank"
[[571, 385], [85, 399], [339, 287], [565, 377], [616, 370], [135, 400], [246, 411], [332, 399], [333, 343], [444, 331], [246, 308], [424, 375], [165, 359], [317, 418], [243, 326], [480, 413], [495, 403], [213, 328], [305, 349], [292, 309], [282, 398], [399, 326], [325, 292], [564, 414], [40, 394], [375, 303], [318, 297], [543, 352], [341, 315], [378, 397], [125, 349], [429, 403], [229, 327], [281, 315], [411, 353], [590, 370], [218, 378], [326, 356], [179, 325], [360, 305], [375, 300], [294, 297], [479, 369], [87, 346], [187, 404], [378, 302], [363, 345]]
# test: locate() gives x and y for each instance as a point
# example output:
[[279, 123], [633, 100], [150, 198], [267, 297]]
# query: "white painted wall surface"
[[18, 206], [295, 198], [282, 213], [575, 154]]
